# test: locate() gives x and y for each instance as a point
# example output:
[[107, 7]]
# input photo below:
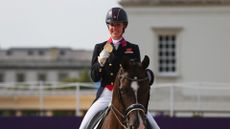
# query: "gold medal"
[[108, 47]]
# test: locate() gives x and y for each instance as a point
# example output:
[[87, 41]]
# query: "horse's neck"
[[111, 122]]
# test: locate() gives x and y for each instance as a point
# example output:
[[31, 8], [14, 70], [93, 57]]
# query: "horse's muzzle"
[[141, 126], [136, 120]]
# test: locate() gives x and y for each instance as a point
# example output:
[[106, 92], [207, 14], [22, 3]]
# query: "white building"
[[42, 64], [187, 40]]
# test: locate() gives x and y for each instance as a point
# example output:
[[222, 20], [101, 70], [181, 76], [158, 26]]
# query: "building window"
[[20, 77], [62, 76], [62, 52], [167, 51], [30, 52], [42, 77], [1, 77], [41, 52], [9, 53]]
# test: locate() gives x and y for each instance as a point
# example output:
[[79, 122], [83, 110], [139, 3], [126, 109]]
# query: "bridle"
[[129, 109], [136, 79]]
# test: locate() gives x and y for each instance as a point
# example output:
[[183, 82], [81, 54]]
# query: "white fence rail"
[[171, 98], [206, 99], [43, 89]]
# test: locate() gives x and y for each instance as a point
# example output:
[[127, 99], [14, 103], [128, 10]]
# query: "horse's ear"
[[145, 62], [150, 76]]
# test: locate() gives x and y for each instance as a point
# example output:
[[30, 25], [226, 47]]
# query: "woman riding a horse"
[[106, 62]]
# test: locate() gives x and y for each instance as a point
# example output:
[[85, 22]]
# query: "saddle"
[[98, 119]]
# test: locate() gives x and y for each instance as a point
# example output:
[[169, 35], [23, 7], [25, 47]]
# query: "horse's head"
[[131, 93]]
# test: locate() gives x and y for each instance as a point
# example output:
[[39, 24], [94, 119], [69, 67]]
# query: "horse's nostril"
[[131, 127], [134, 127]]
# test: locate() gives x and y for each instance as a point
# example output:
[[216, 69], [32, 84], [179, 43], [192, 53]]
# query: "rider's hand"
[[103, 57]]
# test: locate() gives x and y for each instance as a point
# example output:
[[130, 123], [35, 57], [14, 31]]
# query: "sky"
[[77, 24]]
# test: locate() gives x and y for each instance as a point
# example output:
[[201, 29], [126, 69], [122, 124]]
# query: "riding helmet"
[[116, 14]]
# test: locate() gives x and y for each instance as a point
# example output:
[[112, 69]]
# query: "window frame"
[[164, 31], [2, 77], [20, 77], [42, 77], [61, 75]]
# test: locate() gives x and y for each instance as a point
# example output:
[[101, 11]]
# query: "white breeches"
[[101, 103]]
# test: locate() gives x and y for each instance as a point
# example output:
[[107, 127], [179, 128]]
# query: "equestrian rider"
[[105, 64]]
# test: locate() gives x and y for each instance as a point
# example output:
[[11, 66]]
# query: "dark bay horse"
[[130, 97]]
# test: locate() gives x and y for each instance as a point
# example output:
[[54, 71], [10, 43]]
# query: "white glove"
[[103, 57]]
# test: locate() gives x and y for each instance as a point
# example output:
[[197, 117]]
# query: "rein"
[[113, 109], [131, 108]]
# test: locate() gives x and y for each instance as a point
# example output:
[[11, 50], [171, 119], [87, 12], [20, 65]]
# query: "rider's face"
[[116, 30]]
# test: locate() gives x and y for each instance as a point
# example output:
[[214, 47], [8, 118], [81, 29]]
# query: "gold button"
[[111, 83], [100, 69], [111, 74], [110, 64]]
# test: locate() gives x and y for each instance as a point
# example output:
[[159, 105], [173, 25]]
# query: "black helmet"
[[116, 14]]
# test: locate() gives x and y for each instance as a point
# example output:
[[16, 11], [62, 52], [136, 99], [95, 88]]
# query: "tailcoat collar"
[[123, 41]]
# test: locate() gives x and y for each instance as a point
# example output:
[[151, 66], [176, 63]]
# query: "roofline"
[[136, 3]]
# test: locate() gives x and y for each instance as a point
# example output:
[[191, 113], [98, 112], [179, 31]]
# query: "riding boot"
[[152, 124]]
